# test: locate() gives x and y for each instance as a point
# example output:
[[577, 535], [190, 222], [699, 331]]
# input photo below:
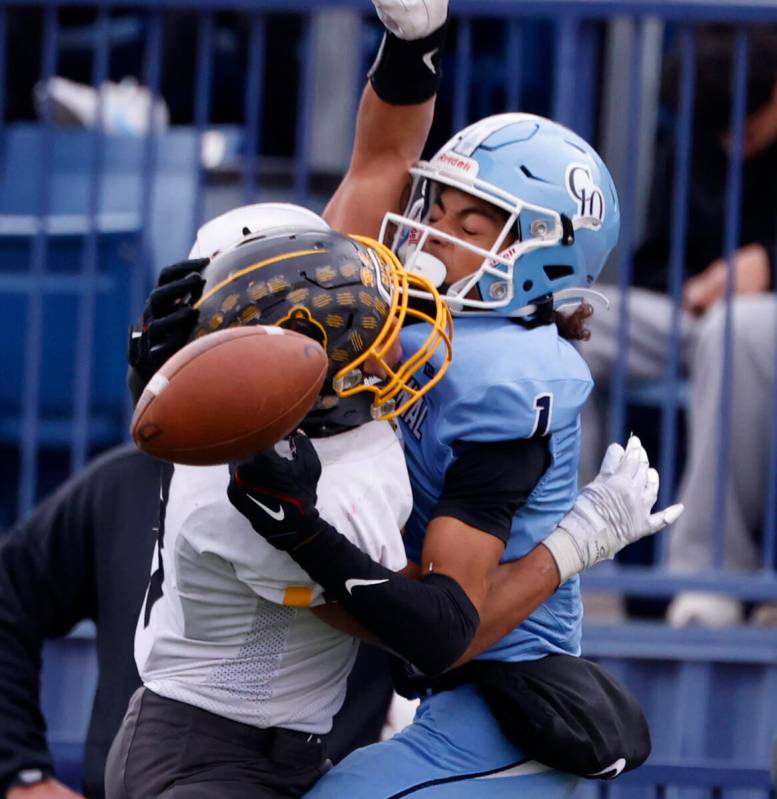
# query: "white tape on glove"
[[411, 19]]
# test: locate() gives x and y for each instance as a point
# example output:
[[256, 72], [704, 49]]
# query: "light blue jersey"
[[505, 383]]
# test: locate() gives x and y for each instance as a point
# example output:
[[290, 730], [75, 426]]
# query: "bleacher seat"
[[652, 393], [710, 697], [68, 157], [47, 181]]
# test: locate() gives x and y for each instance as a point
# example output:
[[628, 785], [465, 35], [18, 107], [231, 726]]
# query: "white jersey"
[[232, 631]]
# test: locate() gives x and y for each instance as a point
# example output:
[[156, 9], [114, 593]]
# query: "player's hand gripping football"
[[611, 512], [411, 19], [168, 319], [278, 495]]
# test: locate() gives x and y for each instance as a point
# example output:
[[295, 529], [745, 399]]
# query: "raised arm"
[[395, 114]]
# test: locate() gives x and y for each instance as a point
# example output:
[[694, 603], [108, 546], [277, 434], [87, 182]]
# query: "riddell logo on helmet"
[[511, 253], [452, 162]]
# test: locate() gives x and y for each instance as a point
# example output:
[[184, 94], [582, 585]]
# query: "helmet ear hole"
[[557, 271], [301, 321]]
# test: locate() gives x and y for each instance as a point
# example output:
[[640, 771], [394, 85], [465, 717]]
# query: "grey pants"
[[171, 750], [690, 543]]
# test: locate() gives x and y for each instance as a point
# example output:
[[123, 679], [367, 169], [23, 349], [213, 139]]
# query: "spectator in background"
[[754, 311], [84, 553]]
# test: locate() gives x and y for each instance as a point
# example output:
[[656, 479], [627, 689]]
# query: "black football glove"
[[167, 322], [278, 495], [408, 681]]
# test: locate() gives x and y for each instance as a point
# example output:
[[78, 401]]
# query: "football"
[[228, 395]]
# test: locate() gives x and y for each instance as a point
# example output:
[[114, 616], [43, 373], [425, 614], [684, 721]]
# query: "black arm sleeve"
[[46, 586], [490, 481], [429, 622]]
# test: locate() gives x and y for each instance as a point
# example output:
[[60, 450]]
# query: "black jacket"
[[84, 553], [706, 209]]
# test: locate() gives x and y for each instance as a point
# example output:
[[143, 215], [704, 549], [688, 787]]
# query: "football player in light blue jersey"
[[492, 454], [513, 218]]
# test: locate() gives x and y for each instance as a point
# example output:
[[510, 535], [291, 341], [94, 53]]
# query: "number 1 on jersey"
[[543, 406]]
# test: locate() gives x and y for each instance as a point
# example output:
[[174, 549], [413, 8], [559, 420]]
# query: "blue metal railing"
[[677, 269], [709, 780], [688, 11], [731, 242], [628, 209], [574, 91]]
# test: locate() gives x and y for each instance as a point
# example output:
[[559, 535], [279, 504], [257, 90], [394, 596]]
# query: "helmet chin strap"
[[575, 296]]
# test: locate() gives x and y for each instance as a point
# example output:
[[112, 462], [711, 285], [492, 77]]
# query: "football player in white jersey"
[[242, 675]]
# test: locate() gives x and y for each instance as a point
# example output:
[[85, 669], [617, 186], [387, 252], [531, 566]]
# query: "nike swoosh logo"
[[615, 768], [427, 59], [351, 584], [278, 515]]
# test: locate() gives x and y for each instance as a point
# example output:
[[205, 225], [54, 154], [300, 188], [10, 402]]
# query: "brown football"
[[228, 395]]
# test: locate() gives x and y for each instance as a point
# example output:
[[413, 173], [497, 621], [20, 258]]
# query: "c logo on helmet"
[[589, 197]]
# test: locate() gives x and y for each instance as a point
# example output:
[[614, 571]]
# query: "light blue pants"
[[454, 748]]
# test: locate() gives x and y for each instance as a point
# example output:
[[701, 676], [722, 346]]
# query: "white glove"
[[611, 512], [411, 19]]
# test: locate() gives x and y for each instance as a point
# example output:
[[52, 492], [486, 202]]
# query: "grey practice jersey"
[[232, 631]]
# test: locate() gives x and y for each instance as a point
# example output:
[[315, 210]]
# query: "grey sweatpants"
[[690, 543]]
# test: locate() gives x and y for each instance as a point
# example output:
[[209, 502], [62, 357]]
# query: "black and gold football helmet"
[[351, 295]]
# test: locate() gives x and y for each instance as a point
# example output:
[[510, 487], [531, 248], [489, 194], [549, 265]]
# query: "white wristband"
[[566, 554]]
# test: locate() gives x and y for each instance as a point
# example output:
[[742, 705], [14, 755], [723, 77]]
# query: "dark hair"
[[570, 326]]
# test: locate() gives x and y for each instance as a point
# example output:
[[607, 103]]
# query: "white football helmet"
[[228, 229]]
